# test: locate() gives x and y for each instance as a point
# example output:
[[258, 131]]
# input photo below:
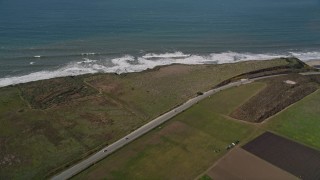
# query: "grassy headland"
[[48, 125]]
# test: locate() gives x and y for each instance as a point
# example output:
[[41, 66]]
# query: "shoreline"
[[65, 72], [126, 63]]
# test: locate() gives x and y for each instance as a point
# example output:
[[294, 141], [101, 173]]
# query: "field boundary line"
[[215, 163], [286, 108], [119, 103]]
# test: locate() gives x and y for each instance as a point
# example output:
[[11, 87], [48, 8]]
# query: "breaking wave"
[[127, 64]]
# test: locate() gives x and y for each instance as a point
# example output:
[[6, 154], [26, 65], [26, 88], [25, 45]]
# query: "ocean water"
[[42, 39]]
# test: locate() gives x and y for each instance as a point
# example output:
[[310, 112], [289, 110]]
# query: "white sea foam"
[[31, 63], [87, 54], [129, 63], [305, 56], [166, 55], [86, 60]]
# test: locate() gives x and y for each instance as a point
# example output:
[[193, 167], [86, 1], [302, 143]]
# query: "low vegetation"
[[34, 142], [280, 92], [205, 177], [154, 92], [54, 92], [185, 146], [300, 122], [48, 125]]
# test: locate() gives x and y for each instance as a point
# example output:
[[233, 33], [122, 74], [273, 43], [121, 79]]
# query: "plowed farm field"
[[297, 159]]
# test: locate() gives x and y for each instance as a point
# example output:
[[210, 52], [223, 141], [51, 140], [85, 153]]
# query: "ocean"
[[42, 39]]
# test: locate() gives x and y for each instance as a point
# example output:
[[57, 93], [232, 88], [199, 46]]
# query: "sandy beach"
[[314, 63]]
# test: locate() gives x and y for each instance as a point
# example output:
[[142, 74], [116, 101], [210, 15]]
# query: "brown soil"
[[9, 160], [315, 78], [295, 158], [275, 97], [240, 164]]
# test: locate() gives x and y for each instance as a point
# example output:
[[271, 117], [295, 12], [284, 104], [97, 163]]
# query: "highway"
[[77, 168]]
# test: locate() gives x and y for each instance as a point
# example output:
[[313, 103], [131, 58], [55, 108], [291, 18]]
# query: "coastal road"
[[75, 169]]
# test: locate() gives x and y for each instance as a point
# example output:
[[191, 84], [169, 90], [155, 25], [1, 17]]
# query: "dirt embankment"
[[294, 66], [280, 92]]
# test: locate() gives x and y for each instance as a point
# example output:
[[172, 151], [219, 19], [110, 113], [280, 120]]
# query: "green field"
[[48, 125], [185, 146], [300, 122], [153, 92], [34, 142]]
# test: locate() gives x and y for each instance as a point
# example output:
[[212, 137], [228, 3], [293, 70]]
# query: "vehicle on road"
[[232, 144]]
